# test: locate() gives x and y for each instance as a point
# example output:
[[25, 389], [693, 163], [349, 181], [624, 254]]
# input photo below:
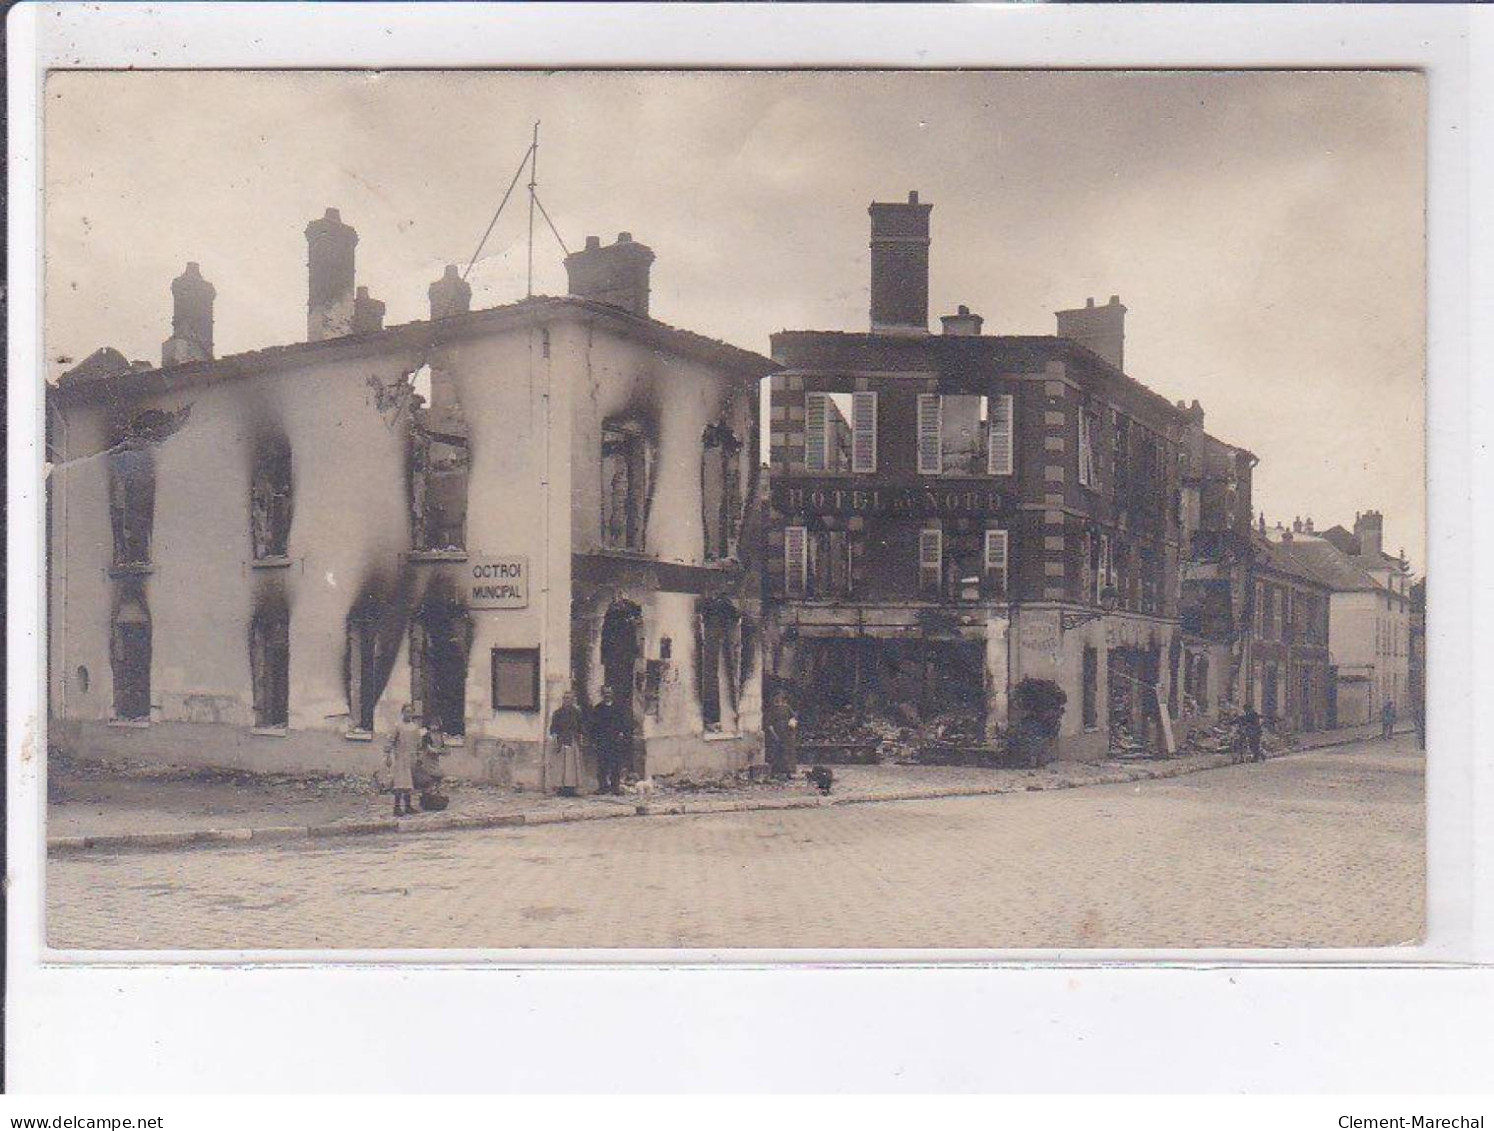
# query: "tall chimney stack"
[[450, 294], [368, 313], [1369, 528], [900, 267], [330, 245], [961, 324], [191, 319], [617, 274], [1099, 329]]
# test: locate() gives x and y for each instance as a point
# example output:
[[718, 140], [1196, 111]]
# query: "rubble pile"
[[1124, 744], [1220, 738]]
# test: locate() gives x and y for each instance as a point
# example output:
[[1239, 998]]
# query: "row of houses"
[[258, 560]]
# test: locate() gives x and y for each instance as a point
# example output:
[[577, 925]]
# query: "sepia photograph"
[[867, 510]]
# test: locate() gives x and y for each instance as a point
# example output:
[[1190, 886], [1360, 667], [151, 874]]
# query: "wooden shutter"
[[930, 558], [816, 431], [863, 431], [1086, 451], [999, 440], [996, 560], [795, 560], [930, 435]]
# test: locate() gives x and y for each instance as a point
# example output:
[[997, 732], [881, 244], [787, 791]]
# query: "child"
[[399, 756]]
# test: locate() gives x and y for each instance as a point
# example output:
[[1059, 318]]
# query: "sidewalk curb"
[[167, 841]]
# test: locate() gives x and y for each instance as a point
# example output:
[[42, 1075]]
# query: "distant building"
[[258, 559], [1290, 680], [1009, 507]]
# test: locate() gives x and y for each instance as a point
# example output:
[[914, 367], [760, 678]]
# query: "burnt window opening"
[[627, 464], [269, 664], [132, 503], [440, 643], [129, 656], [720, 628], [440, 465], [270, 499], [721, 491], [827, 571], [364, 667]]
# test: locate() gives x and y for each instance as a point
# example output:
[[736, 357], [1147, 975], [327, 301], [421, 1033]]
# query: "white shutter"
[[1105, 576], [996, 561], [930, 558], [816, 431], [999, 441], [1086, 452], [795, 560], [930, 435], [863, 431]]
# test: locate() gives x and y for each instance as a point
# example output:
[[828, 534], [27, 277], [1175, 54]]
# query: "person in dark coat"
[[612, 739], [1250, 732], [781, 733], [566, 727], [1387, 719]]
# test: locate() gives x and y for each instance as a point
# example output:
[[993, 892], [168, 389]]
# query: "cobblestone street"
[[1324, 848]]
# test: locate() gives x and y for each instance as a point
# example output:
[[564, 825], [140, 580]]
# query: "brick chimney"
[[368, 313], [617, 274], [1100, 329], [450, 295], [191, 319], [330, 245], [900, 267], [962, 324], [1369, 528]]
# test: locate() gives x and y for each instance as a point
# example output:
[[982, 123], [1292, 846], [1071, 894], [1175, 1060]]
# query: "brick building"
[[257, 559], [1009, 506], [1289, 677]]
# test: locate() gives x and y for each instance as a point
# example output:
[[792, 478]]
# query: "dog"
[[822, 777]]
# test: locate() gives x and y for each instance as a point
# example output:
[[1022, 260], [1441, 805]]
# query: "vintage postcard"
[[603, 511]]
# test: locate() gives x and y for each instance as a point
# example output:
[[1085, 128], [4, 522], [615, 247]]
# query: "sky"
[[1264, 229]]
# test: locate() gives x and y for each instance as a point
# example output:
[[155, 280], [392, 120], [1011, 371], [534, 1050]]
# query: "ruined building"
[[258, 559], [1010, 506]]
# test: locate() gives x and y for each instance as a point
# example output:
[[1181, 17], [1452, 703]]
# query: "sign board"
[[497, 581], [837, 498]]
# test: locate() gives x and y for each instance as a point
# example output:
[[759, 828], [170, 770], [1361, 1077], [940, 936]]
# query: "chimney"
[[368, 313], [900, 267], [450, 295], [1369, 528], [1100, 329], [330, 245], [191, 319], [962, 324], [1297, 525], [616, 274], [1307, 524]]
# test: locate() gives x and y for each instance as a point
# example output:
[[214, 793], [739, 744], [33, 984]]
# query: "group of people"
[[607, 729]]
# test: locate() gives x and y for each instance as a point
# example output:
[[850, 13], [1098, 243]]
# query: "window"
[[721, 491], [627, 463], [827, 436], [828, 568], [129, 656], [930, 560], [795, 560], [1087, 466], [132, 503], [1102, 566], [864, 432], [1091, 688], [270, 498], [958, 436], [516, 679], [269, 664], [996, 562], [440, 461]]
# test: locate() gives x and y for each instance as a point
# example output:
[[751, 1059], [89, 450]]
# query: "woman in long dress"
[[566, 726]]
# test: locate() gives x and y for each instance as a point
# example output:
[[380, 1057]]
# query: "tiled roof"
[[1323, 562]]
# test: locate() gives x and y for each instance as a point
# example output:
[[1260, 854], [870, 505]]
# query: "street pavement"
[[1323, 848]]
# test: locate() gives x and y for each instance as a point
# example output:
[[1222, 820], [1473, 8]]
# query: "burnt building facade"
[[258, 559], [1007, 507]]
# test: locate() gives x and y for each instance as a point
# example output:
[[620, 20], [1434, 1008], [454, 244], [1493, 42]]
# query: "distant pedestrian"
[[1250, 733], [1387, 719], [566, 727], [781, 735], [612, 739], [399, 757]]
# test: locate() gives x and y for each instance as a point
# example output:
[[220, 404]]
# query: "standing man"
[[1387, 719], [566, 725], [612, 739], [399, 756], [781, 730], [1250, 732]]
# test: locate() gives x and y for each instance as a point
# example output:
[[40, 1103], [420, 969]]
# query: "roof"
[[1319, 560], [91, 379]]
